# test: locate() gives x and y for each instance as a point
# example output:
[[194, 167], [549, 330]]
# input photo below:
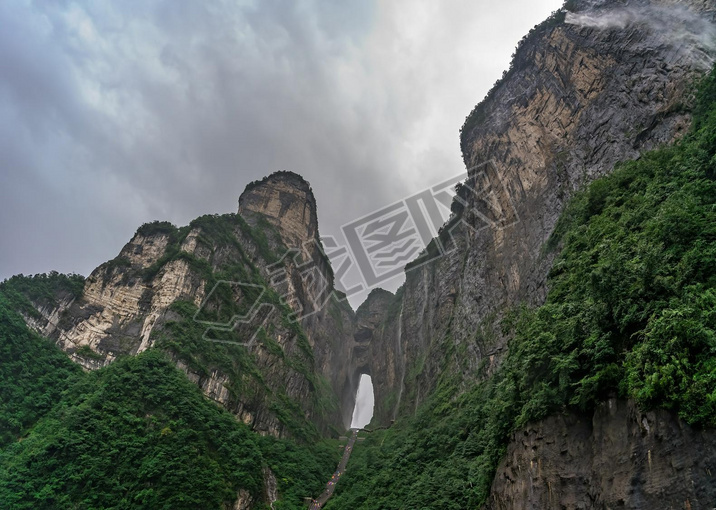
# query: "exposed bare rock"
[[364, 357], [127, 304], [270, 486], [620, 458], [286, 201], [580, 97], [119, 309], [244, 501]]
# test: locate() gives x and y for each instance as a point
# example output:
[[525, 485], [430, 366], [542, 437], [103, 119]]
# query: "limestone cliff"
[[286, 201], [370, 324], [598, 83], [593, 85], [181, 290], [620, 458]]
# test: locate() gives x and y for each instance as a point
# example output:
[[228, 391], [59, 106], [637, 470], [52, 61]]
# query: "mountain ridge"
[[245, 305]]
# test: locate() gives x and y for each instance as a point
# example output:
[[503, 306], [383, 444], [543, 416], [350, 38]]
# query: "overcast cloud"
[[113, 114]]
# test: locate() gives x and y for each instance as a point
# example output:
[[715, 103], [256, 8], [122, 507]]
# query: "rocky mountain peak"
[[285, 200], [377, 302]]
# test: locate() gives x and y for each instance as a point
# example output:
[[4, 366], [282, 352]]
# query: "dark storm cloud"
[[117, 113]]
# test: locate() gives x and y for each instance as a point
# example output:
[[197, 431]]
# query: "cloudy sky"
[[113, 114]]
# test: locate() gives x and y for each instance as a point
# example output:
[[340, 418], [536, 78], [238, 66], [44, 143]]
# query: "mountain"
[[540, 350], [181, 289], [228, 306], [551, 348], [576, 100]]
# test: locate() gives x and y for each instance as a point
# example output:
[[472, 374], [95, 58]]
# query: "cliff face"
[[119, 306], [285, 201], [180, 290], [375, 359], [587, 88], [621, 458]]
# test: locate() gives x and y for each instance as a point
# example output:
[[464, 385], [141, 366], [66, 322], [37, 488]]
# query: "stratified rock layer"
[[127, 303], [286, 201]]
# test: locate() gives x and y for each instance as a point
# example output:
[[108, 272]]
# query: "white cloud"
[[113, 114]]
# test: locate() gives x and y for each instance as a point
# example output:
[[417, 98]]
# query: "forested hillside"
[[137, 434]]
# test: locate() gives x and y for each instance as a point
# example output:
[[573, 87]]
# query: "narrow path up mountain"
[[317, 504]]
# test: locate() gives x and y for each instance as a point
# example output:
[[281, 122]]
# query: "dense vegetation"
[[43, 290], [33, 375], [631, 313], [136, 434], [184, 338], [139, 434]]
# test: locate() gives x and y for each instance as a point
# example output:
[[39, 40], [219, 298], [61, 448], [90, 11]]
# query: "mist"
[[672, 25]]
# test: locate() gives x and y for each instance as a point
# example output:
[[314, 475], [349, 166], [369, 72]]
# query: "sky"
[[365, 401], [113, 114]]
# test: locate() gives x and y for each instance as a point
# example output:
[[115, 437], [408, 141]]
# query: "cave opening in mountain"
[[365, 400]]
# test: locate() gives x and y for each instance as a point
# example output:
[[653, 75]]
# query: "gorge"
[[469, 410]]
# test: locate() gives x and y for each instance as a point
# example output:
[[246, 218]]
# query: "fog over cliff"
[[114, 114], [679, 26]]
